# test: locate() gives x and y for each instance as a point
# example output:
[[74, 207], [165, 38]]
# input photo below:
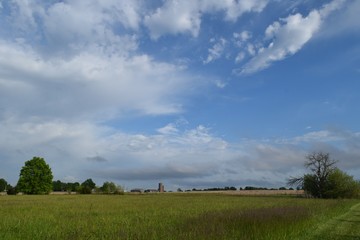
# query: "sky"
[[190, 93]]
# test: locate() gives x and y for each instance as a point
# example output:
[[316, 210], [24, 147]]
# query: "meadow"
[[175, 216]]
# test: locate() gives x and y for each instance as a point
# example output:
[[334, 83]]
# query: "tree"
[[3, 185], [72, 187], [87, 186], [35, 177], [109, 187], [59, 186], [325, 180]]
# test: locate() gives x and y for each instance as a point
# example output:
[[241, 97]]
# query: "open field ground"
[[177, 216]]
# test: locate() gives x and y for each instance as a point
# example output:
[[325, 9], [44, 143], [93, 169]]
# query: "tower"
[[161, 187]]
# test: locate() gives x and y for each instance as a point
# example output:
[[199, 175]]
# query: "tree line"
[[324, 180], [36, 178]]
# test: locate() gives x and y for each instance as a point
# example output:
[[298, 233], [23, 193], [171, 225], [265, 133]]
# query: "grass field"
[[174, 216]]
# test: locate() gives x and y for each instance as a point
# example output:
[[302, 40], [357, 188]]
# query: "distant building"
[[161, 187], [151, 190], [137, 190]]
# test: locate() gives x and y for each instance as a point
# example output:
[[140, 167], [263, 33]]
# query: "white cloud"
[[98, 84], [238, 8], [220, 84], [242, 37], [64, 28], [177, 17], [288, 36], [216, 51], [251, 49], [328, 8], [346, 20], [172, 155], [168, 129], [318, 136], [173, 18], [240, 57]]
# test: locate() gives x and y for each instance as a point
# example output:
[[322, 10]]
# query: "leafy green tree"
[[35, 177], [58, 186], [72, 187], [3, 185], [87, 186], [109, 187]]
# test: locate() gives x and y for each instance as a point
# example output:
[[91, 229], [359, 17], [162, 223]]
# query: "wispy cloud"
[[216, 50], [287, 36]]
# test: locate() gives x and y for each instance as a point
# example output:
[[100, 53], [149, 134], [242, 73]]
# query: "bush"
[[341, 185], [11, 190]]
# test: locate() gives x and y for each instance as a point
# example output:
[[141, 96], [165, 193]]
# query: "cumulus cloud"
[[73, 55], [173, 18], [288, 36], [177, 17], [88, 84]]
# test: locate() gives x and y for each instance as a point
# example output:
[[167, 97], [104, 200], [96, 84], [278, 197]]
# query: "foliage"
[[87, 186], [35, 177], [325, 179], [72, 187], [59, 186], [3, 185], [11, 190], [255, 188], [221, 189], [111, 188], [341, 185]]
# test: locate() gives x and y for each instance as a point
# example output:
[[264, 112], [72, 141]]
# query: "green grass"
[[344, 227], [166, 216]]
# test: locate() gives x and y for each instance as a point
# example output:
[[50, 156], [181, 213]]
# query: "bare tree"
[[321, 166]]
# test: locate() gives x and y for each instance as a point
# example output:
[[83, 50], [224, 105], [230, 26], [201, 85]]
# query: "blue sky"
[[198, 93]]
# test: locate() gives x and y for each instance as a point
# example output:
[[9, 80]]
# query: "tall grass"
[[164, 216]]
